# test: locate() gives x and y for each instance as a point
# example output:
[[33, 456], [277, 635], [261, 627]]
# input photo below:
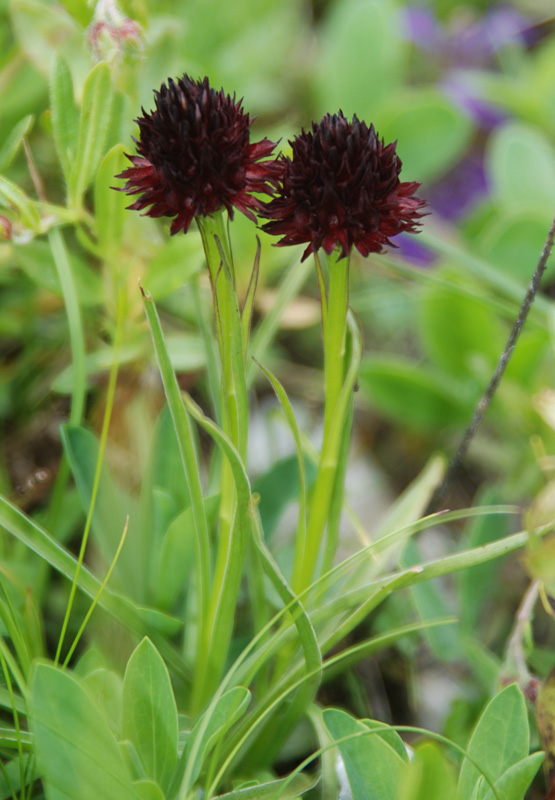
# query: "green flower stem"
[[336, 411], [335, 334], [231, 538]]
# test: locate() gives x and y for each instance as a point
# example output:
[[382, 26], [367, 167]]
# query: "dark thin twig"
[[486, 398]]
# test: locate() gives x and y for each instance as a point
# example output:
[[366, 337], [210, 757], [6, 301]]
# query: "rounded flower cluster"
[[340, 188], [195, 156]]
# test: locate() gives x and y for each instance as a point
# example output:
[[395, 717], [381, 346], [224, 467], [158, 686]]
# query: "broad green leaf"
[[430, 775], [149, 717], [513, 242], [78, 757], [177, 556], [110, 206], [512, 785], [499, 740], [12, 195], [374, 768], [176, 262], [147, 790], [36, 260], [111, 507], [105, 688], [282, 789], [211, 728], [411, 393], [13, 142], [432, 133], [521, 165], [458, 331], [65, 116], [43, 29], [360, 40], [93, 126]]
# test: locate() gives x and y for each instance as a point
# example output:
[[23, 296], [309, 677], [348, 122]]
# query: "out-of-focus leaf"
[[13, 141], [521, 165], [12, 195], [361, 56], [284, 788], [513, 242], [65, 116], [432, 133], [412, 394], [93, 126], [457, 330], [545, 718], [110, 205], [278, 487], [36, 259]]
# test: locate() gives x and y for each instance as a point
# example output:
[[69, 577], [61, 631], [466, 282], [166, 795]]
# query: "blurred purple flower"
[[458, 191]]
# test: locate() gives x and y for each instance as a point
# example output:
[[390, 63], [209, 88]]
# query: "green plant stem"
[[334, 324], [230, 556]]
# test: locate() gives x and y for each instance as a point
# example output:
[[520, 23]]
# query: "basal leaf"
[[149, 718], [374, 768], [499, 740], [77, 756]]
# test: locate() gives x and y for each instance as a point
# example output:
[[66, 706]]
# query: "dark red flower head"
[[341, 188], [195, 156]]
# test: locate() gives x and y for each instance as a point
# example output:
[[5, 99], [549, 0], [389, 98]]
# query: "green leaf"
[[105, 689], [521, 165], [12, 195], [359, 41], [110, 205], [513, 242], [65, 116], [432, 132], [512, 785], [412, 394], [78, 757], [177, 556], [458, 331], [93, 126], [282, 789], [36, 260], [148, 790], [211, 728], [111, 507], [149, 718], [13, 141], [499, 740], [278, 487], [374, 768], [429, 776]]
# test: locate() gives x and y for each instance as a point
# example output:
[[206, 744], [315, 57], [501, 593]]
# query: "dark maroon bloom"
[[341, 188], [195, 156]]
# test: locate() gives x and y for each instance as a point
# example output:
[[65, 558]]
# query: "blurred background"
[[468, 91]]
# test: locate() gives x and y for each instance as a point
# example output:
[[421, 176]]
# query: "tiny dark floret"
[[341, 188], [195, 156]]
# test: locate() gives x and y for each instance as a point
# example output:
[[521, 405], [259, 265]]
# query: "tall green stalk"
[[231, 535], [335, 305]]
